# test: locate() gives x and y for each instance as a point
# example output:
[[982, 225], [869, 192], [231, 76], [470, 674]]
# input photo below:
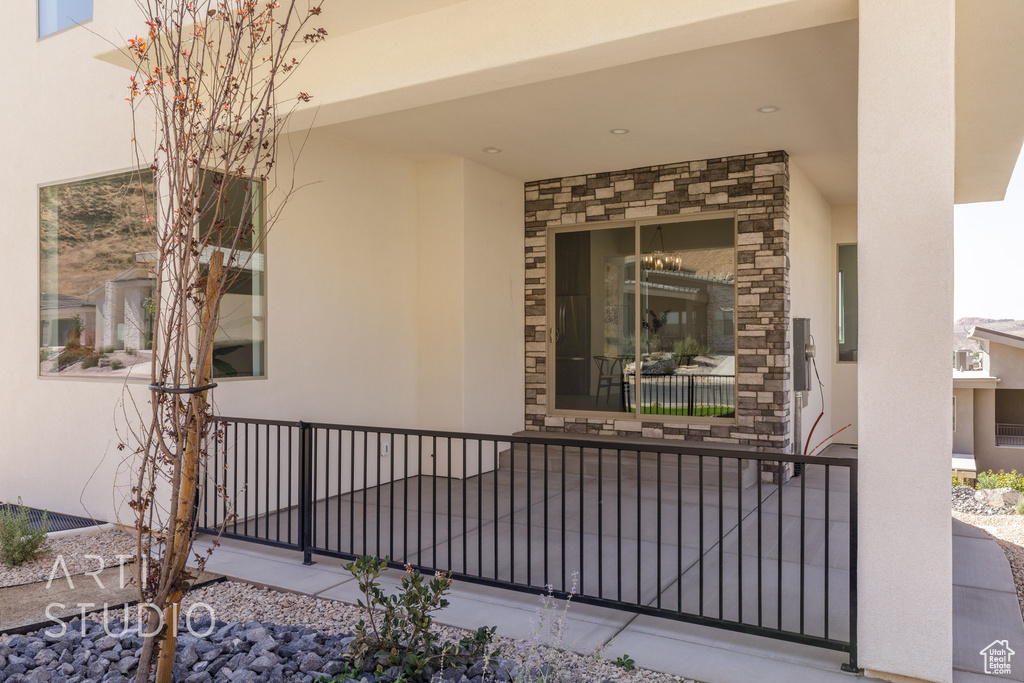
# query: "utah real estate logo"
[[997, 657]]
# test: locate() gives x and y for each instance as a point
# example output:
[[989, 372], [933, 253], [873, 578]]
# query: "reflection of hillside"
[[708, 262], [102, 225]]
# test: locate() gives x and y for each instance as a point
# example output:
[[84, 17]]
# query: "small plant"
[[71, 355], [542, 658], [130, 350], [109, 348], [44, 355], [116, 365], [347, 674], [957, 481], [1001, 479], [398, 629], [685, 350], [625, 662], [19, 540], [1019, 507], [90, 361]]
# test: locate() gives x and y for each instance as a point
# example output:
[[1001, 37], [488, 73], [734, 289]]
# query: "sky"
[[989, 255]]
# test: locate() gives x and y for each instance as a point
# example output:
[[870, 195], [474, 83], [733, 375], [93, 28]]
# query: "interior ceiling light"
[[769, 109], [492, 150], [619, 131]]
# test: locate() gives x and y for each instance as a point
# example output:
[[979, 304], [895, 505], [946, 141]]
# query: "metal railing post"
[[306, 501], [852, 665]]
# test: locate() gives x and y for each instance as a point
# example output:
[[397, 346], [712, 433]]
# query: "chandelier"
[[660, 259]]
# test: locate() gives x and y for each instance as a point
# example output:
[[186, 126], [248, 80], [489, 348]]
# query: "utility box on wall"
[[801, 357]]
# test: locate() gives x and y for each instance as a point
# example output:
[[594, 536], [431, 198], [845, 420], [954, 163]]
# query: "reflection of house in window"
[[59, 312], [688, 304], [125, 321]]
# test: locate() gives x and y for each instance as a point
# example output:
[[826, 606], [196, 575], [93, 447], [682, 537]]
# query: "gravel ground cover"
[[963, 502], [259, 635], [73, 550]]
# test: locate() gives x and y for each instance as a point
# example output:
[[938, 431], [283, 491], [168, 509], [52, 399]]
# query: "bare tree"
[[208, 76]]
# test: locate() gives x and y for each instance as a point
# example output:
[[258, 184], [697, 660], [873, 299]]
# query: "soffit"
[[691, 105], [989, 96], [341, 17]]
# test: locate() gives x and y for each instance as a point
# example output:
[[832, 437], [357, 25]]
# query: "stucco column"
[[133, 319], [905, 263]]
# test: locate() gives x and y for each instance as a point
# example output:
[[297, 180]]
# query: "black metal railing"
[[1009, 434], [693, 395], [722, 538]]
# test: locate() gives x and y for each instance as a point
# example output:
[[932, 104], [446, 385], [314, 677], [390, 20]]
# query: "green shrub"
[[957, 481], [398, 629], [71, 355], [44, 355], [1019, 508], [1001, 479], [109, 348], [19, 541], [685, 350], [90, 361], [130, 351], [116, 365]]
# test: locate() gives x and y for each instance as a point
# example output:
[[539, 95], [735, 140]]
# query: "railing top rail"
[[690, 448]]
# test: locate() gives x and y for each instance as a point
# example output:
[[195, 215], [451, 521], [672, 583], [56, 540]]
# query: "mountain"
[[963, 326]]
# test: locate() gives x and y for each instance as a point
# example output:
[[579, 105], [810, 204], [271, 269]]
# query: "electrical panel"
[[803, 352]]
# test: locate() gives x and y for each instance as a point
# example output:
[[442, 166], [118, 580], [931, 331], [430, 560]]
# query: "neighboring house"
[[58, 315], [124, 320], [473, 162], [988, 404]]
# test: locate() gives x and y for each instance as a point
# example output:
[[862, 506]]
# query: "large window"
[[97, 261], [643, 319], [846, 286], [55, 15]]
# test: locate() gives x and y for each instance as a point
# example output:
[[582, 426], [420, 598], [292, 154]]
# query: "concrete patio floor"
[[660, 534], [609, 516]]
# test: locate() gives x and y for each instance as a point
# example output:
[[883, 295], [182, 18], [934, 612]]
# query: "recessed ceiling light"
[[769, 109], [619, 131], [492, 150]]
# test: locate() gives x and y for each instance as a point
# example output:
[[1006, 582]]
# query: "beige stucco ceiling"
[[692, 105], [348, 16]]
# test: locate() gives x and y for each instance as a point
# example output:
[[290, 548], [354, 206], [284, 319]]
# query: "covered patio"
[[672, 531]]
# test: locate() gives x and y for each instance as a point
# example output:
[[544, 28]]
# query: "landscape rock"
[[998, 498]]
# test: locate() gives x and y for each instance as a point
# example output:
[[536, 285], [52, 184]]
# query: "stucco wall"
[[58, 444], [810, 244], [1007, 363], [905, 187], [963, 428], [346, 285], [493, 294], [844, 374]]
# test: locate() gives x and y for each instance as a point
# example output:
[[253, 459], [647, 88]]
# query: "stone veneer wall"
[[756, 187]]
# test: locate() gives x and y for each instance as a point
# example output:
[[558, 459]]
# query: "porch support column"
[[905, 263]]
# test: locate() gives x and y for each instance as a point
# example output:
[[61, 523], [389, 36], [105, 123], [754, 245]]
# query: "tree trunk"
[[181, 543]]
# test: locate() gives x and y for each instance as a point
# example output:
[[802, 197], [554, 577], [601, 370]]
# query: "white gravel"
[[234, 601], [73, 550]]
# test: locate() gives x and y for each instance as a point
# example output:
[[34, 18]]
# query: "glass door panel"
[[687, 319], [593, 318]]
